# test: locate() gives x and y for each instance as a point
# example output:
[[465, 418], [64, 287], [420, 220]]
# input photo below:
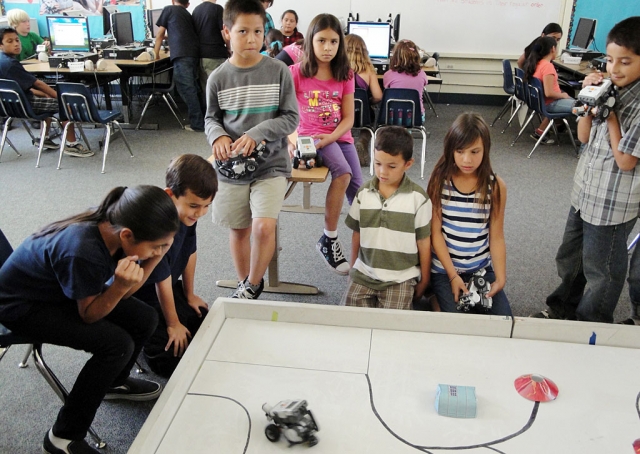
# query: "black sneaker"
[[546, 141], [75, 447], [246, 291], [135, 389], [629, 321], [331, 251], [547, 314]]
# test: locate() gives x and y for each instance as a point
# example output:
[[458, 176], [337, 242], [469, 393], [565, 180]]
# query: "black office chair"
[[401, 107], [155, 89], [77, 106], [362, 120], [509, 88], [8, 338], [14, 104]]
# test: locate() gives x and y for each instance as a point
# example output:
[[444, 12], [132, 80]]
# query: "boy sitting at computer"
[[42, 97]]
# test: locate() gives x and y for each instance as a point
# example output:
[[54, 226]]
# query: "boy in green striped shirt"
[[391, 222]]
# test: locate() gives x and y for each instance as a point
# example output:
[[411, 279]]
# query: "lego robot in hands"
[[597, 99], [477, 298]]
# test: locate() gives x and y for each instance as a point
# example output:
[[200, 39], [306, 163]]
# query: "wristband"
[[451, 280]]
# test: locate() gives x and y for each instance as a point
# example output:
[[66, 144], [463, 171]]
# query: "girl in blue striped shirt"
[[467, 230]]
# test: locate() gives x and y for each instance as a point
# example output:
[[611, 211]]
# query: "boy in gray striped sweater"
[[391, 222], [251, 109]]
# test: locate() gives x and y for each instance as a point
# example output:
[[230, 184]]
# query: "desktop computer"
[[61, 60], [123, 53], [582, 39]]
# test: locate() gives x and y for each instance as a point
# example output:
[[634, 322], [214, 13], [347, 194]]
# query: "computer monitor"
[[69, 34], [107, 11], [122, 28], [396, 28], [152, 17], [584, 33], [376, 36]]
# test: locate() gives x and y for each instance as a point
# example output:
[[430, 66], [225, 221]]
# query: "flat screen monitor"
[[152, 17], [584, 33], [107, 11], [396, 28], [376, 36], [122, 28], [69, 34]]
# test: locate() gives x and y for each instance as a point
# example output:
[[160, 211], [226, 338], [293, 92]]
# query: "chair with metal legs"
[[15, 105], [509, 88], [77, 106], [536, 94], [401, 107], [163, 90], [8, 339], [363, 120]]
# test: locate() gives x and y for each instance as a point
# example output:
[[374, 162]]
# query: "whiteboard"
[[475, 27]]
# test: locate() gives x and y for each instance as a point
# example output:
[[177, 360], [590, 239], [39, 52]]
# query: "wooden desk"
[[102, 77], [307, 177]]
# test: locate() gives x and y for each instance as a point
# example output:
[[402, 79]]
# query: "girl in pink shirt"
[[405, 69], [324, 86], [538, 65]]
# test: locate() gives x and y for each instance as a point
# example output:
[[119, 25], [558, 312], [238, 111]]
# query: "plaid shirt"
[[602, 193]]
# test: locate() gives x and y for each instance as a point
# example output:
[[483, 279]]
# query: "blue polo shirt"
[[59, 268], [12, 69], [172, 264]]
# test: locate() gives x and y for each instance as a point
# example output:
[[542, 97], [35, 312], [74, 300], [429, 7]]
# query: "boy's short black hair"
[[184, 3], [233, 8], [6, 31], [626, 33], [395, 140], [194, 173]]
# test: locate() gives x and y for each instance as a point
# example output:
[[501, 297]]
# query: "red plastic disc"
[[536, 387], [636, 446]]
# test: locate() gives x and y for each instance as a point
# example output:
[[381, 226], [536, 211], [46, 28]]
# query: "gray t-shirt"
[[259, 101]]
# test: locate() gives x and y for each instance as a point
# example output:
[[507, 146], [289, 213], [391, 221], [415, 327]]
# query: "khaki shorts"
[[235, 205]]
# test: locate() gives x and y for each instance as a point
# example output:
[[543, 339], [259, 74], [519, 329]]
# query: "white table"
[[256, 352]]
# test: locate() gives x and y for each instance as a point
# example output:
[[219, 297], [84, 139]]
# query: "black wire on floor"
[[243, 407], [488, 445]]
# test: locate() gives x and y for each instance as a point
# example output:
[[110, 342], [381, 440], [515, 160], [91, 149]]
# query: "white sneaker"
[[78, 150]]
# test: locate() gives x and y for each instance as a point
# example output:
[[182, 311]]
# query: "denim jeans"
[[114, 342], [564, 105], [442, 288], [592, 263], [634, 282], [185, 75]]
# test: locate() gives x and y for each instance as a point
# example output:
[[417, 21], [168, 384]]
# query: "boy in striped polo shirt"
[[391, 222], [251, 102]]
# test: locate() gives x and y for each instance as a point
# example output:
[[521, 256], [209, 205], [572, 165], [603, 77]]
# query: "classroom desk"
[[102, 78], [357, 367], [131, 68], [573, 75]]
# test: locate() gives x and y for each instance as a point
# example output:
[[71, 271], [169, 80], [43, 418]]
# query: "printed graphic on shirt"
[[323, 107]]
